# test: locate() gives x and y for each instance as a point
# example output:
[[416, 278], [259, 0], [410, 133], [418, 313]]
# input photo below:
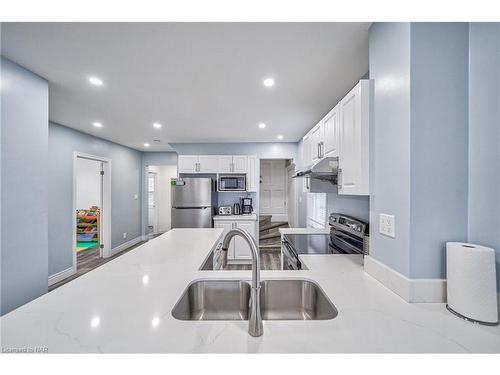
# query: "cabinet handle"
[[319, 151], [307, 183], [339, 179]]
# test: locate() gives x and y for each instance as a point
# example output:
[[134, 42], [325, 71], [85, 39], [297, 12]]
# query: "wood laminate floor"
[[268, 261], [89, 260]]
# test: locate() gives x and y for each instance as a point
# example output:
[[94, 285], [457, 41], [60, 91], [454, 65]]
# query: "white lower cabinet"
[[238, 248]]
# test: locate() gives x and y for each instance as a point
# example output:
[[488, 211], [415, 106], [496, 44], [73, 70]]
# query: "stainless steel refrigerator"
[[192, 203]]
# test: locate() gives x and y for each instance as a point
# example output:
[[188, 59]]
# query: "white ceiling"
[[202, 81]]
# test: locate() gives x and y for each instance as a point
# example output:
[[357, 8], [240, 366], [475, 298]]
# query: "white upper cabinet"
[[253, 173], [317, 142], [344, 133], [225, 164], [239, 164], [188, 163], [353, 138], [331, 133], [233, 164], [208, 163]]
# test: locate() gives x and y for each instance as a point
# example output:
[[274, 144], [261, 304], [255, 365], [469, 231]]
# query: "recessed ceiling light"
[[279, 137], [146, 144], [157, 125], [97, 124], [155, 322], [269, 82], [95, 322], [95, 81], [262, 125]]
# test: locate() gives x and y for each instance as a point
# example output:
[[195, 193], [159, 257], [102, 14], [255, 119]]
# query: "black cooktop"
[[310, 243]]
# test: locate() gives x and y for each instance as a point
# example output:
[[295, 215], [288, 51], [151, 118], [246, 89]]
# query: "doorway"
[[91, 208], [159, 199], [273, 189]]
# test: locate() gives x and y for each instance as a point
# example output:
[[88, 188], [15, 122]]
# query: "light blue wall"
[[389, 54], [24, 188], [439, 127], [125, 183], [484, 137]]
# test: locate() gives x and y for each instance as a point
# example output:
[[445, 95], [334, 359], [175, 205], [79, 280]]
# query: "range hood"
[[324, 169]]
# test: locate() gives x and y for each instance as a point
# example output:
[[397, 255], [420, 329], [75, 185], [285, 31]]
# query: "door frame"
[[105, 220], [290, 171], [285, 183], [155, 193]]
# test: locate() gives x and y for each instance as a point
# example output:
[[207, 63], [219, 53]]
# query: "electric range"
[[348, 235]]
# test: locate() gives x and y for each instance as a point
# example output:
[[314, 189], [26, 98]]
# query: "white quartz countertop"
[[251, 217], [125, 306]]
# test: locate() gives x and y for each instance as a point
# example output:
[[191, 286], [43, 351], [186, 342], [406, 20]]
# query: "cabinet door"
[[241, 248], [239, 163], [353, 141], [316, 142], [226, 225], [331, 130], [188, 163], [306, 150], [253, 176], [225, 163], [208, 163]]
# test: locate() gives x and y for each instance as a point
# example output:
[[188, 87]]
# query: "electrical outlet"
[[387, 225], [125, 235]]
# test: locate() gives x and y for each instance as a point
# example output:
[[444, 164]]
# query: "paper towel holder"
[[470, 319]]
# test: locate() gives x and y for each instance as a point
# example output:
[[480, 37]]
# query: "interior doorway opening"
[[159, 202], [89, 176]]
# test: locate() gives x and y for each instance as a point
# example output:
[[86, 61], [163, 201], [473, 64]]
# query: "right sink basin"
[[294, 300]]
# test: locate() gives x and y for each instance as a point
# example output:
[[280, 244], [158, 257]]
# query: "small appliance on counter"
[[236, 209], [225, 210], [246, 206]]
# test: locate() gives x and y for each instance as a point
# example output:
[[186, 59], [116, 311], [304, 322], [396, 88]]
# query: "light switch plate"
[[387, 225]]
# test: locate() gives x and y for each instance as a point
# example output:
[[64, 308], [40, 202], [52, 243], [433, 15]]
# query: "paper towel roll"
[[471, 282]]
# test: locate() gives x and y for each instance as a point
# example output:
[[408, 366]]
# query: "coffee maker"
[[246, 206]]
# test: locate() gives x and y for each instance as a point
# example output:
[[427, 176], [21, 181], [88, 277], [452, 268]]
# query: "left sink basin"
[[214, 300]]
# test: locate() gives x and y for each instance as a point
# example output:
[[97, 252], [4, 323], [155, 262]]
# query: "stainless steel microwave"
[[232, 182]]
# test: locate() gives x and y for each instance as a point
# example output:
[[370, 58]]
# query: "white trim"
[[55, 278], [411, 290], [126, 245]]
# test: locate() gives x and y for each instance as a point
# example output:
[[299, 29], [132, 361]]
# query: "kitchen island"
[[126, 304]]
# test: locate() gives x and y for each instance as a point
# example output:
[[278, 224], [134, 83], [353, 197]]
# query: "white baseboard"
[[126, 245], [55, 278], [411, 290]]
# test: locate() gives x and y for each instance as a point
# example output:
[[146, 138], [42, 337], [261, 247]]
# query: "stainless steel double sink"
[[286, 299]]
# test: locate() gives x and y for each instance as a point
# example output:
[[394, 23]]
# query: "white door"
[[225, 163], [273, 188], [253, 174], [208, 163], [227, 226], [188, 163], [241, 249], [331, 129], [239, 163], [152, 203]]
